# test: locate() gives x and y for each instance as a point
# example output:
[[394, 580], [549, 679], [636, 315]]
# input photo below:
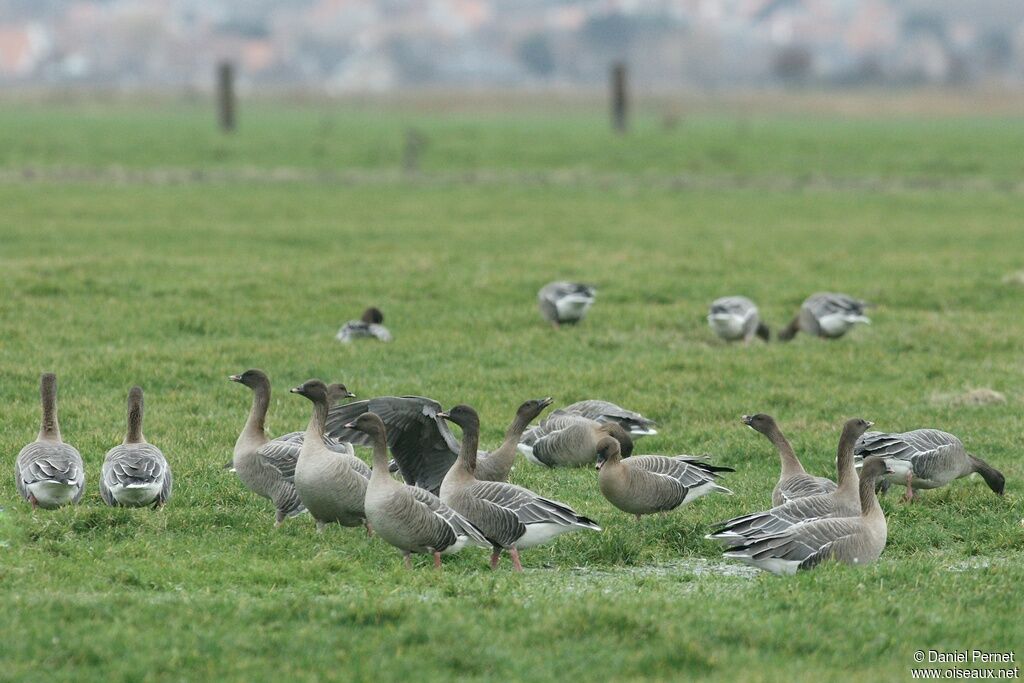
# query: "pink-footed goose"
[[511, 517], [369, 326], [135, 473], [566, 440], [49, 473], [408, 517], [605, 411], [794, 482], [736, 318], [828, 315], [565, 303]]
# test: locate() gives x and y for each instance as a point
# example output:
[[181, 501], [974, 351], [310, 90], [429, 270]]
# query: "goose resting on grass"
[[367, 327], [564, 440], [843, 501], [794, 482], [926, 459], [735, 318], [408, 517], [645, 484], [852, 540], [136, 473], [423, 446], [511, 517], [604, 411], [49, 473], [328, 486], [565, 303], [827, 315]]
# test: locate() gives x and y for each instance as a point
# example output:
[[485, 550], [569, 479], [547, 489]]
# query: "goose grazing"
[[421, 442], [367, 327], [604, 411], [645, 484], [855, 540], [267, 467], [827, 315], [511, 517], [135, 473], [734, 318], [408, 517], [794, 482], [327, 485], [564, 440], [48, 472], [927, 459], [565, 303], [841, 501]]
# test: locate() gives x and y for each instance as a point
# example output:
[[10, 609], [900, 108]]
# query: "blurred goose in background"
[[734, 318], [794, 482], [852, 540], [645, 484], [408, 517], [421, 442], [828, 315], [843, 501], [565, 303], [48, 472], [268, 467], [367, 327], [135, 473], [564, 440], [511, 517], [926, 459], [328, 486], [604, 411]]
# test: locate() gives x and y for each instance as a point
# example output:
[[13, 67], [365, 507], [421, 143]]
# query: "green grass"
[[176, 286]]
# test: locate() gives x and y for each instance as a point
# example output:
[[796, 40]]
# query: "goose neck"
[[49, 429]]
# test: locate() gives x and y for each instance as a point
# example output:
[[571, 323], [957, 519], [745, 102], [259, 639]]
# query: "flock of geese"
[[452, 494]]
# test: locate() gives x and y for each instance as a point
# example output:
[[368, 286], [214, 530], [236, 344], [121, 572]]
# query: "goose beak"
[[349, 394], [870, 424], [350, 425], [747, 419], [597, 466], [545, 402], [235, 378], [443, 415], [295, 390]]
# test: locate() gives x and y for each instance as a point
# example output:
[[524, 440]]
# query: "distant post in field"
[[226, 96], [619, 104]]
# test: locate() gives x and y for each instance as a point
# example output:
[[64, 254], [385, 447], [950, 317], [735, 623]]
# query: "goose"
[[367, 327], [604, 411], [645, 484], [927, 459], [511, 517], [408, 517], [794, 482], [421, 442], [48, 472], [565, 303], [262, 464], [854, 540], [827, 315], [327, 485], [136, 473], [842, 501], [564, 440], [733, 318]]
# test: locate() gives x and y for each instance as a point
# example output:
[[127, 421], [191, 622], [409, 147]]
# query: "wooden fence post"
[[619, 101], [226, 96]]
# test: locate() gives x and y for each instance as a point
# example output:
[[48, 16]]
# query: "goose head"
[[617, 432], [313, 389], [532, 408], [373, 316], [251, 378], [853, 429], [607, 450], [760, 422], [337, 392], [367, 423], [462, 415], [875, 466]]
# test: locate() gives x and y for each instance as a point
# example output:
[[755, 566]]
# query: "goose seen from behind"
[[736, 318], [49, 473], [565, 303], [828, 315], [135, 473]]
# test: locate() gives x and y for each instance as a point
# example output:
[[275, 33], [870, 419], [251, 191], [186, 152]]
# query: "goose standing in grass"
[[327, 485], [369, 326], [267, 467], [926, 459], [843, 501], [604, 411], [794, 482], [852, 540], [48, 472], [827, 315], [408, 517], [564, 440], [735, 318], [136, 473], [565, 303], [422, 444], [645, 484], [511, 517]]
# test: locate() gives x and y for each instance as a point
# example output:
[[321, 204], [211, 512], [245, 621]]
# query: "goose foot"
[[408, 559], [369, 529], [437, 560], [495, 556], [32, 500], [909, 496], [515, 559]]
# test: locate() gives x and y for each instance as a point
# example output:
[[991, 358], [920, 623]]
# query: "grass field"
[[175, 283]]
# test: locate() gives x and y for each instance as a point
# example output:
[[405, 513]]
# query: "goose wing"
[[830, 303], [42, 461], [803, 546], [527, 506], [605, 411], [458, 525], [738, 306], [777, 519], [932, 453]]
